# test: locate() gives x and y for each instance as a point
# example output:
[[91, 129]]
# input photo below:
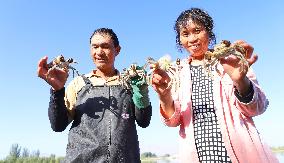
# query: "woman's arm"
[[258, 103]]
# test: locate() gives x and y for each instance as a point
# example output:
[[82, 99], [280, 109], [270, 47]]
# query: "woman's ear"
[[118, 48]]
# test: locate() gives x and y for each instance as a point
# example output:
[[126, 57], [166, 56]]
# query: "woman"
[[214, 112]]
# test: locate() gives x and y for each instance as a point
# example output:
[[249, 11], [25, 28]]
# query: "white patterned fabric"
[[208, 138]]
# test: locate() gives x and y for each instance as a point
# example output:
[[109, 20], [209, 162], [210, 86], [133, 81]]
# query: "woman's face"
[[194, 38]]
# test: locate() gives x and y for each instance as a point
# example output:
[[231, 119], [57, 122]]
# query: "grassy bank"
[[155, 159], [278, 149]]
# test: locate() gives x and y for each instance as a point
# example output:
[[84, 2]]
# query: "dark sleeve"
[[143, 116], [246, 98], [57, 111]]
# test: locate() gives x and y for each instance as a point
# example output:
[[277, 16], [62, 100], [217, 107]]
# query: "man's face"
[[103, 51]]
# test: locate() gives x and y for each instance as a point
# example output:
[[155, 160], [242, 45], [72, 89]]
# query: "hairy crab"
[[61, 63], [165, 63], [130, 73], [222, 50]]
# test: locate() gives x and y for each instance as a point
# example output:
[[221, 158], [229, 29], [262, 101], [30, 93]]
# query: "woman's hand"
[[234, 67], [54, 76], [160, 82]]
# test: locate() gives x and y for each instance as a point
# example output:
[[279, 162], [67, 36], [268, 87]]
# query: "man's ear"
[[118, 48]]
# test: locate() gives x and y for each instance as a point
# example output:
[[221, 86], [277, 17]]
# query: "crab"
[[130, 73], [61, 63], [222, 50], [165, 64]]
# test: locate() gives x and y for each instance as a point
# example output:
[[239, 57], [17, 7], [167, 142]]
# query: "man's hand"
[[140, 90], [53, 76]]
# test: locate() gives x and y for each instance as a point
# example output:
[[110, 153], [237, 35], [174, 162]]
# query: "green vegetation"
[[17, 155], [278, 149], [50, 159], [149, 157]]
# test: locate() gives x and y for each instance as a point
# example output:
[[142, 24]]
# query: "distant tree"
[[36, 153], [52, 156], [148, 154], [167, 155], [15, 156], [25, 152], [15, 151]]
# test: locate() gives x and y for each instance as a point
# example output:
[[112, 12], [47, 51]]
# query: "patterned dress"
[[208, 138]]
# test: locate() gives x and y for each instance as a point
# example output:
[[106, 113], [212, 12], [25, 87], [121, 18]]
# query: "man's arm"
[[57, 111], [143, 116], [140, 97]]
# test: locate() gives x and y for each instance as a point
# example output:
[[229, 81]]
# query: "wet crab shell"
[[61, 62]]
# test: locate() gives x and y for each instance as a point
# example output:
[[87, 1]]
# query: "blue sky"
[[32, 29]]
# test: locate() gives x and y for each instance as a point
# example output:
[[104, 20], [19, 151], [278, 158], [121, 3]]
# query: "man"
[[102, 110]]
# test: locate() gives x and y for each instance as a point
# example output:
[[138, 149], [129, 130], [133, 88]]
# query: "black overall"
[[104, 127]]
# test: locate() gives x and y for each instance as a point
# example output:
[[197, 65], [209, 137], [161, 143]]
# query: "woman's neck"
[[197, 60]]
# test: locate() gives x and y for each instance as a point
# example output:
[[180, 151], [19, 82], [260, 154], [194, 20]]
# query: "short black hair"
[[108, 32], [198, 16]]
